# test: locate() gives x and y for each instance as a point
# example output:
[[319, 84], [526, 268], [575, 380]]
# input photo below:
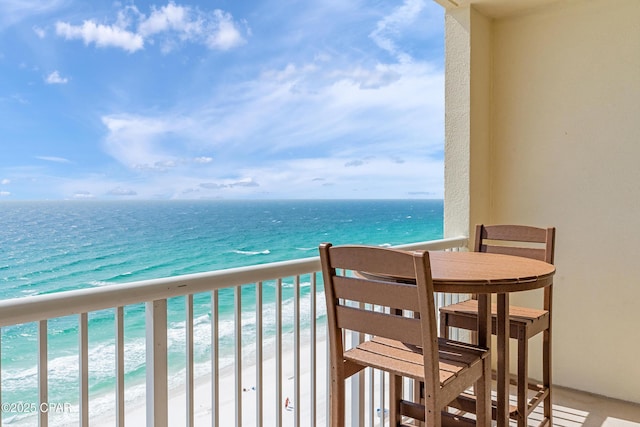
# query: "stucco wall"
[[467, 124], [565, 151]]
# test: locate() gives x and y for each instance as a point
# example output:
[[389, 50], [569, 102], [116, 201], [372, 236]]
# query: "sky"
[[221, 99]]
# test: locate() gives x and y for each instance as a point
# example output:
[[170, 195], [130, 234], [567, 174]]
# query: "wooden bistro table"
[[485, 274]]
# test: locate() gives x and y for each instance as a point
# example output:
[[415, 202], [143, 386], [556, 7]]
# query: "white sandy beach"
[[136, 415]]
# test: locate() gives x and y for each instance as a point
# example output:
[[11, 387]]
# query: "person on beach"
[[287, 404]]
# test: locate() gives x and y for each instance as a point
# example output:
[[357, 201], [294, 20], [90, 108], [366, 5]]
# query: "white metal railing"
[[227, 402]]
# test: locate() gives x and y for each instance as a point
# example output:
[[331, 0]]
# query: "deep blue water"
[[56, 246]]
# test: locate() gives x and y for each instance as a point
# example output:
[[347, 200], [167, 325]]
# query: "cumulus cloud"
[[170, 25], [102, 35], [167, 18], [5, 181], [226, 34], [338, 112], [56, 79]]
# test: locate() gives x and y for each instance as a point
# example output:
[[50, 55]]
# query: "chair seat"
[[406, 360], [464, 315]]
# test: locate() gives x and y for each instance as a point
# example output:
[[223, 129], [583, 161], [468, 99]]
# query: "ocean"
[[63, 245]]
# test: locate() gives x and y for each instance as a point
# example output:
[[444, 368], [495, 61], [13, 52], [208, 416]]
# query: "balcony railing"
[[276, 374]]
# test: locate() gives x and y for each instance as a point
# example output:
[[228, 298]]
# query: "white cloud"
[[119, 191], [298, 108], [171, 25], [102, 35], [226, 34], [244, 182], [53, 159], [136, 141], [40, 32], [203, 160], [169, 17], [388, 28], [56, 78], [19, 99], [4, 193], [5, 181], [13, 11], [319, 112], [83, 195]]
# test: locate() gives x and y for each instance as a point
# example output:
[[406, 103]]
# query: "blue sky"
[[221, 99]]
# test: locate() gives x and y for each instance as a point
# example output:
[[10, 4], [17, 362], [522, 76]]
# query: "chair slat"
[[390, 262], [534, 253], [382, 361], [514, 233], [395, 295], [404, 329]]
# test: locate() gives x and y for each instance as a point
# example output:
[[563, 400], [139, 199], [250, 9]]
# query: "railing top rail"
[[60, 304]]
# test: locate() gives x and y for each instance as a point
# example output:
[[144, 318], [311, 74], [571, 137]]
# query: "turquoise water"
[[56, 246]]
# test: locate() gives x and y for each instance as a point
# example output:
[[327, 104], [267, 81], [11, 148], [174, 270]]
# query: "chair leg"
[[444, 328], [418, 388], [546, 374], [523, 377], [483, 396], [337, 409], [395, 395]]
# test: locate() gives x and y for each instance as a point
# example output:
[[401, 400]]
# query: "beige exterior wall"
[[467, 126], [560, 145]]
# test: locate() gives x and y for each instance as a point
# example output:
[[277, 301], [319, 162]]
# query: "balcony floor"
[[573, 408]]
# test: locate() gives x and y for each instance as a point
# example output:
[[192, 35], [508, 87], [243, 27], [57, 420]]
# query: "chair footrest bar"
[[467, 403], [416, 412], [532, 384], [546, 422], [540, 396]]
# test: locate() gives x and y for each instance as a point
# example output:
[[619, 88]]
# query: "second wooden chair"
[[529, 242]]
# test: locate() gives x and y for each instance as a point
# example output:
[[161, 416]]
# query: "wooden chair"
[[530, 242], [397, 282]]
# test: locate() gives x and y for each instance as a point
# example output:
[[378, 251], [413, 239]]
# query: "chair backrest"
[[518, 240], [369, 288]]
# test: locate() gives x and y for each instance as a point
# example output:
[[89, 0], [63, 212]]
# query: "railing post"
[[157, 395], [0, 375], [215, 355], [43, 373], [189, 362], [237, 293], [259, 357], [296, 354], [83, 344], [119, 323]]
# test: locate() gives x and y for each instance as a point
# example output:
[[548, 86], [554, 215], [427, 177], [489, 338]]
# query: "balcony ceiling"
[[498, 8]]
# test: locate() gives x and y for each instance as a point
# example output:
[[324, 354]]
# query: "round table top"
[[480, 272]]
